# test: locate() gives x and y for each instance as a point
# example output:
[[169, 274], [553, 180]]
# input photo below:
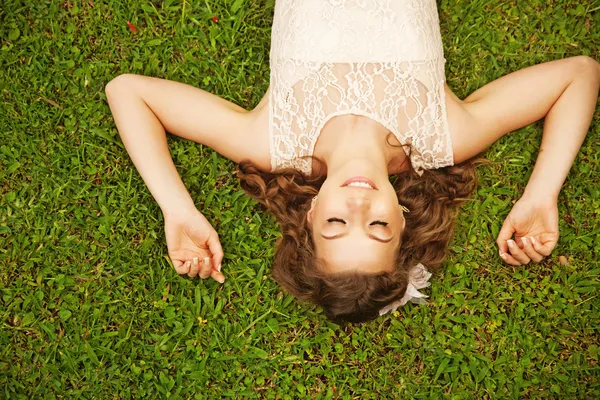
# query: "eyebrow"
[[370, 236]]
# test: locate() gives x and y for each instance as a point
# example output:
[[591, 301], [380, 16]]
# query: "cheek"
[[328, 201], [396, 216]]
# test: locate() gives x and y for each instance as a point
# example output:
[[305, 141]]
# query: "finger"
[[214, 245], [177, 265], [506, 232], [195, 268], [217, 276], [184, 268], [530, 251], [517, 253], [206, 268], [544, 249], [509, 259]]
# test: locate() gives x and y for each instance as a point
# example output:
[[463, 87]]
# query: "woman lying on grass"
[[358, 93]]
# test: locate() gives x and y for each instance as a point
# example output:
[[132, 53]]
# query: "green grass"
[[91, 309]]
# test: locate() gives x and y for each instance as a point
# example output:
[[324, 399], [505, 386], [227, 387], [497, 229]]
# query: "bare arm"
[[143, 107], [564, 92]]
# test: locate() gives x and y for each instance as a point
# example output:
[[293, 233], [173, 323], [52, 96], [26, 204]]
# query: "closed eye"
[[336, 220], [379, 223]]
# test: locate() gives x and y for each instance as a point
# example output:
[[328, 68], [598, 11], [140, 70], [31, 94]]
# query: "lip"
[[360, 179]]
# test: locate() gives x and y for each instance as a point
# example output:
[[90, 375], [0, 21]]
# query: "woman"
[[357, 93]]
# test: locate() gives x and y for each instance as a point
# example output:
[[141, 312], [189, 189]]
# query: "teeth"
[[360, 184]]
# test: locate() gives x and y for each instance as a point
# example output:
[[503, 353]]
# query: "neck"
[[351, 138]]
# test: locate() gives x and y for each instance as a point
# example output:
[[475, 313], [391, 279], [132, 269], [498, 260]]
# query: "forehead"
[[356, 254]]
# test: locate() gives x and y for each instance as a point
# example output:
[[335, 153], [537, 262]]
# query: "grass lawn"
[[90, 307]]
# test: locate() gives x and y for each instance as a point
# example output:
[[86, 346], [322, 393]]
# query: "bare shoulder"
[[461, 126], [258, 127]]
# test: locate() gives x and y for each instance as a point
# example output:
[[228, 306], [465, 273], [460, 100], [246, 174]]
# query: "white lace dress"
[[381, 59]]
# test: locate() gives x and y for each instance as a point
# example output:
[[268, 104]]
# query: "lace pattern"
[[382, 59]]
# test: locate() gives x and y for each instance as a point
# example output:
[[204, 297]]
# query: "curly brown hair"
[[357, 297]]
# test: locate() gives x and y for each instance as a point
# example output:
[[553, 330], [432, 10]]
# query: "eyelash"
[[344, 222], [379, 223]]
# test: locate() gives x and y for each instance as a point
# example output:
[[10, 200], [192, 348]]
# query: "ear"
[[403, 217], [309, 214]]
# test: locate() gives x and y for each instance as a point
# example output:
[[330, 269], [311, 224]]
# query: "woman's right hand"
[[193, 244]]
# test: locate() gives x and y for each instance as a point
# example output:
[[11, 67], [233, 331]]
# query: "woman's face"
[[356, 223]]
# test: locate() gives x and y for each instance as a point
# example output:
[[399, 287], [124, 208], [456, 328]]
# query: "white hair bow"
[[418, 278]]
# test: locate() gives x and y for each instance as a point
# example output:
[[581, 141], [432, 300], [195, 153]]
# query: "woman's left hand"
[[534, 224]]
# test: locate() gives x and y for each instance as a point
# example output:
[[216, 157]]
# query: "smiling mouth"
[[360, 182]]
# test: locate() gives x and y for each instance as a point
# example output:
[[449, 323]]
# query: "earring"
[[404, 209], [314, 200]]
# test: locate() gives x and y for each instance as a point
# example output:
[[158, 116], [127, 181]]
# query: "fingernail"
[[511, 243], [503, 256], [221, 279], [524, 241], [533, 240], [219, 269], [195, 260], [206, 260]]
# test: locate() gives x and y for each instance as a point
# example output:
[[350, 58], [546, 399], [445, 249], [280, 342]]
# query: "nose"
[[358, 203]]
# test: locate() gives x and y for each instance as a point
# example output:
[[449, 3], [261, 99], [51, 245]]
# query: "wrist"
[[545, 184], [540, 194], [178, 208]]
